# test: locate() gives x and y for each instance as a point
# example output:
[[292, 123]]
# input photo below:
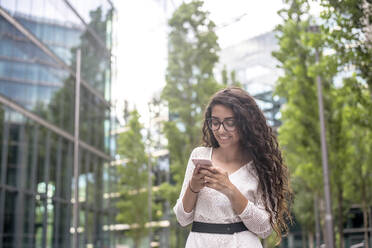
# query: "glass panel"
[[58, 166], [82, 177], [89, 228], [9, 219], [15, 149], [106, 233], [85, 10], [57, 26], [52, 177], [106, 186], [98, 186], [113, 186], [82, 217], [3, 134], [85, 123], [91, 182], [107, 130], [32, 133], [94, 121], [50, 222], [81, 193], [67, 170], [39, 216], [50, 21], [28, 232], [43, 152], [64, 225], [32, 79], [98, 229]]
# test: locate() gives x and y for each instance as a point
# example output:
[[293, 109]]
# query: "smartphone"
[[202, 161]]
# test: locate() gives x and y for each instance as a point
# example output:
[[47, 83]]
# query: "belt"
[[218, 228]]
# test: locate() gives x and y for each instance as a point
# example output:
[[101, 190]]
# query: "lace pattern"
[[214, 207]]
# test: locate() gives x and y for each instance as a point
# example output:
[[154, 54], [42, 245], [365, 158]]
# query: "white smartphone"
[[202, 161]]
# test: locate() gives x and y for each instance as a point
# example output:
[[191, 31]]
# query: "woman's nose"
[[221, 129]]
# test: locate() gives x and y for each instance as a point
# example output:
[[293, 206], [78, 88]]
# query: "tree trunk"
[[340, 220], [370, 223], [310, 236], [303, 233], [317, 221], [365, 224], [322, 222], [178, 236], [365, 213]]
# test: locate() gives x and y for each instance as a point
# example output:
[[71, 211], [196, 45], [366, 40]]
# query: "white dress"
[[214, 207]]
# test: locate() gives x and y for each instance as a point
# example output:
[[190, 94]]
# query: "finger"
[[196, 170], [209, 179], [206, 167], [206, 173], [215, 170], [210, 185], [199, 176]]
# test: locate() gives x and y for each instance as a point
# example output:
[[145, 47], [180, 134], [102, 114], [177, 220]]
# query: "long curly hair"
[[259, 142]]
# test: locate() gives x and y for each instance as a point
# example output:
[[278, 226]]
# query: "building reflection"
[[38, 44]]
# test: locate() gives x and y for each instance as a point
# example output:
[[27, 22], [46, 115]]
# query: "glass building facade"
[[256, 69], [44, 151]]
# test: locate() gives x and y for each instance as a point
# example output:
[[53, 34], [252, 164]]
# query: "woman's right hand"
[[197, 179]]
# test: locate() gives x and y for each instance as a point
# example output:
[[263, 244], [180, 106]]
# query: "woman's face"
[[224, 126]]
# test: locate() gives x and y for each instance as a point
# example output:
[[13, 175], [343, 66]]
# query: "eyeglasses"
[[229, 124]]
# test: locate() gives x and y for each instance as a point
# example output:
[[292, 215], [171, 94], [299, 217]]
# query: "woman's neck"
[[229, 154]]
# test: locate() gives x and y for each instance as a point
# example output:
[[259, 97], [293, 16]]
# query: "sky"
[[142, 40]]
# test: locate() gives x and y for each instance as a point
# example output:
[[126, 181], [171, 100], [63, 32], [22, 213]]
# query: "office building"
[[56, 147]]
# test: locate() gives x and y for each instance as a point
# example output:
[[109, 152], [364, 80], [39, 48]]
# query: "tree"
[[350, 28], [357, 116], [133, 180], [225, 78], [190, 82], [346, 106], [300, 135]]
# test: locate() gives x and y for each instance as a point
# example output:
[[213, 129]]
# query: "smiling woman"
[[244, 195]]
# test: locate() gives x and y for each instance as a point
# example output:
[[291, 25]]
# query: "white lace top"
[[214, 207]]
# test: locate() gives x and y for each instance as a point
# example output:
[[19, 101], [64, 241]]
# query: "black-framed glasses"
[[229, 124]]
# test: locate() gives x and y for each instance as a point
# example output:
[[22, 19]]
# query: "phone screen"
[[202, 161]]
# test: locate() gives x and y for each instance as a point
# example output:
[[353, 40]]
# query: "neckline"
[[232, 173], [245, 165]]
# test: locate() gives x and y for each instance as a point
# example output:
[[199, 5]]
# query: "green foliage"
[[225, 78], [300, 135], [351, 39], [348, 24], [133, 179], [347, 104], [190, 83], [357, 117]]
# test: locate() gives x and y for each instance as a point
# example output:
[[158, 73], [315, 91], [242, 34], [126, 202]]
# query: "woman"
[[244, 194]]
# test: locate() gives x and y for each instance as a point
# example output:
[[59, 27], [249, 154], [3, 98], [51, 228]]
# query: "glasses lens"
[[213, 124], [230, 124]]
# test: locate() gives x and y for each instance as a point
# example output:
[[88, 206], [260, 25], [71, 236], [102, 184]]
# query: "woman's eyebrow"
[[227, 118]]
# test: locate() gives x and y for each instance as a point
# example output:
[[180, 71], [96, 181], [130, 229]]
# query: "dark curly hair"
[[259, 141]]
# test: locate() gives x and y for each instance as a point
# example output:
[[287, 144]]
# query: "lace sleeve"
[[183, 217], [257, 219]]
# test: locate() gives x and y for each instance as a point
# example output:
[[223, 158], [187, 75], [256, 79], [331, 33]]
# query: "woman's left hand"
[[216, 178]]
